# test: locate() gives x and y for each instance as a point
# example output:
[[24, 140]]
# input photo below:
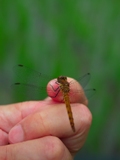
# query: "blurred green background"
[[68, 38]]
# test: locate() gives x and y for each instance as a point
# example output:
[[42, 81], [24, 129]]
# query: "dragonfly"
[[65, 88], [62, 82]]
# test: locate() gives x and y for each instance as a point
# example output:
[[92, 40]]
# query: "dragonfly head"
[[62, 79]]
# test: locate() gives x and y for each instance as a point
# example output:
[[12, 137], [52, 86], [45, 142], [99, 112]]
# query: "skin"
[[40, 129]]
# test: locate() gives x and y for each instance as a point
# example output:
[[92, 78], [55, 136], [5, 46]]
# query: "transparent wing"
[[90, 92], [84, 80], [30, 84], [27, 75]]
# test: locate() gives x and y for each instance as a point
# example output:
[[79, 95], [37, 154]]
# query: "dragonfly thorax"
[[64, 84]]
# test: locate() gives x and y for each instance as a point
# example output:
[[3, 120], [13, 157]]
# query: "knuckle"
[[54, 149]]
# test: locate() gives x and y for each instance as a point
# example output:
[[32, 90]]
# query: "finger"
[[54, 121], [76, 92], [46, 148], [12, 114]]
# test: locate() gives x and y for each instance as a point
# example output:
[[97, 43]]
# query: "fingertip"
[[53, 90], [76, 92]]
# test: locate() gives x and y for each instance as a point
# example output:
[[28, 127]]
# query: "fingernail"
[[16, 134]]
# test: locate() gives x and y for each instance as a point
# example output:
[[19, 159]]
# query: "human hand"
[[46, 132]]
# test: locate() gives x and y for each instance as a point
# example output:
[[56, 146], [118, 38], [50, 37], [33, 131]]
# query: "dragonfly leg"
[[57, 89], [54, 88]]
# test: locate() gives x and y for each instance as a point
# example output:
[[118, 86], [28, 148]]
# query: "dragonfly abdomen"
[[69, 111]]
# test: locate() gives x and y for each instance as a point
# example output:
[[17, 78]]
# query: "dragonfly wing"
[[84, 80], [89, 92], [30, 84], [27, 75], [23, 91]]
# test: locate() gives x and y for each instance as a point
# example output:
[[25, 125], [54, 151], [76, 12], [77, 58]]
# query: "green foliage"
[[67, 38]]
